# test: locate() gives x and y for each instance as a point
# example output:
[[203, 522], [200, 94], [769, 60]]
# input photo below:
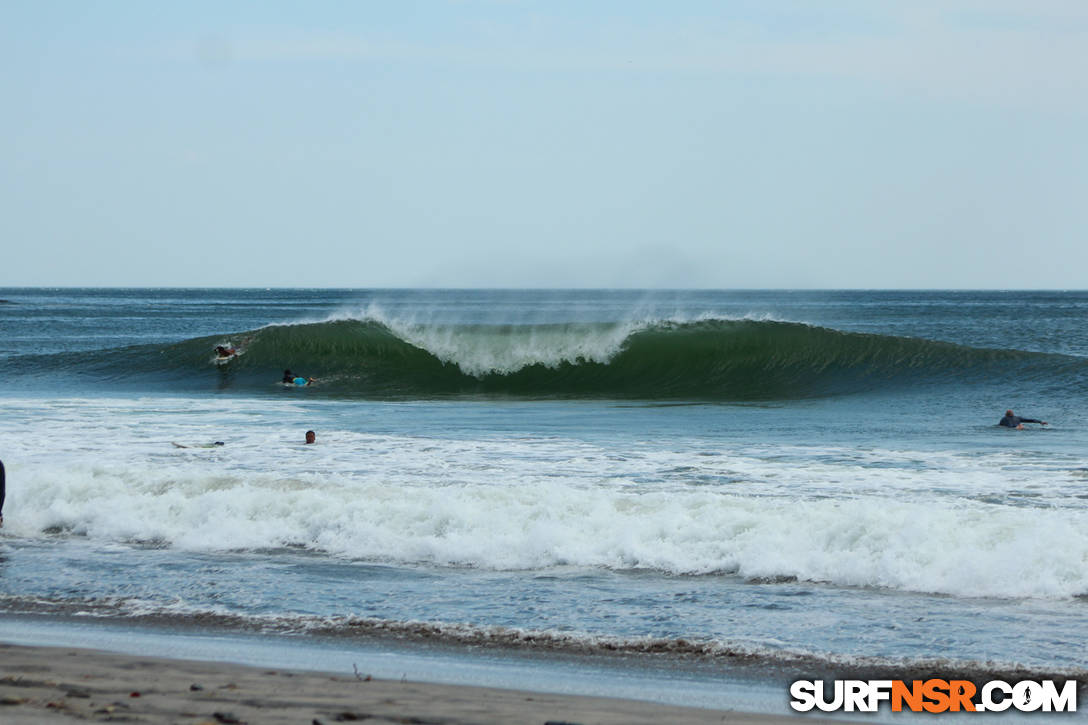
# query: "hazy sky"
[[762, 143]]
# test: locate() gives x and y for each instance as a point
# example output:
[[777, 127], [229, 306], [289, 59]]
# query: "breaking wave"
[[701, 359]]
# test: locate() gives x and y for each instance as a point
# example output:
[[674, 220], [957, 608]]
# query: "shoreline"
[[40, 684]]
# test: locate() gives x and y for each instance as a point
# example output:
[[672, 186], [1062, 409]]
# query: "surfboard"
[[224, 359], [299, 382]]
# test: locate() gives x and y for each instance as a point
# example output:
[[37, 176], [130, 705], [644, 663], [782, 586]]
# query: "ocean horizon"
[[685, 480]]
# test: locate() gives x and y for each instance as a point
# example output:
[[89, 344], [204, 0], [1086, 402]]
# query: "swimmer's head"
[[311, 437], [1008, 412]]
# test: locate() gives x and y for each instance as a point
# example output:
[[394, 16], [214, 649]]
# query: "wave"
[[883, 540], [736, 652], [701, 359]]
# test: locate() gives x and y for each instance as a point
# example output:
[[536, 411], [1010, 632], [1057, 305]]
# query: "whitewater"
[[781, 477]]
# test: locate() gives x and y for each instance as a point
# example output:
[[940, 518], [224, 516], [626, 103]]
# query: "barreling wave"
[[705, 359]]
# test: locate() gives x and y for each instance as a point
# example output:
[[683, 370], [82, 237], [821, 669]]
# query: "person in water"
[[1014, 421], [289, 378], [311, 437], [224, 351], [2, 492]]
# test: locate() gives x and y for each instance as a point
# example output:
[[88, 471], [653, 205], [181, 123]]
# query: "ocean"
[[661, 481]]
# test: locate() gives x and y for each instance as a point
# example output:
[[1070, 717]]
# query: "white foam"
[[503, 349], [106, 470]]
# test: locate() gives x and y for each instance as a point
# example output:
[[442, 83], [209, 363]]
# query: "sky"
[[492, 143]]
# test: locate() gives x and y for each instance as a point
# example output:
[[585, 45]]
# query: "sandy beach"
[[56, 685]]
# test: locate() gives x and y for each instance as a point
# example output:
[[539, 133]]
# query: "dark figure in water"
[[311, 437], [289, 378], [2, 492], [224, 351], [1015, 421]]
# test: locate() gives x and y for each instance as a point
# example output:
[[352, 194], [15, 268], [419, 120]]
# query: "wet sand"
[[60, 685]]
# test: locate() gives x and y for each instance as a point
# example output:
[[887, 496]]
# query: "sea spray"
[[701, 359]]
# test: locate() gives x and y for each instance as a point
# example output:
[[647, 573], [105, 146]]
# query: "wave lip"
[[705, 358]]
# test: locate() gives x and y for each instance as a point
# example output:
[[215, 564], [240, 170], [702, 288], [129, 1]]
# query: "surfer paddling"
[[1014, 421], [289, 378]]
